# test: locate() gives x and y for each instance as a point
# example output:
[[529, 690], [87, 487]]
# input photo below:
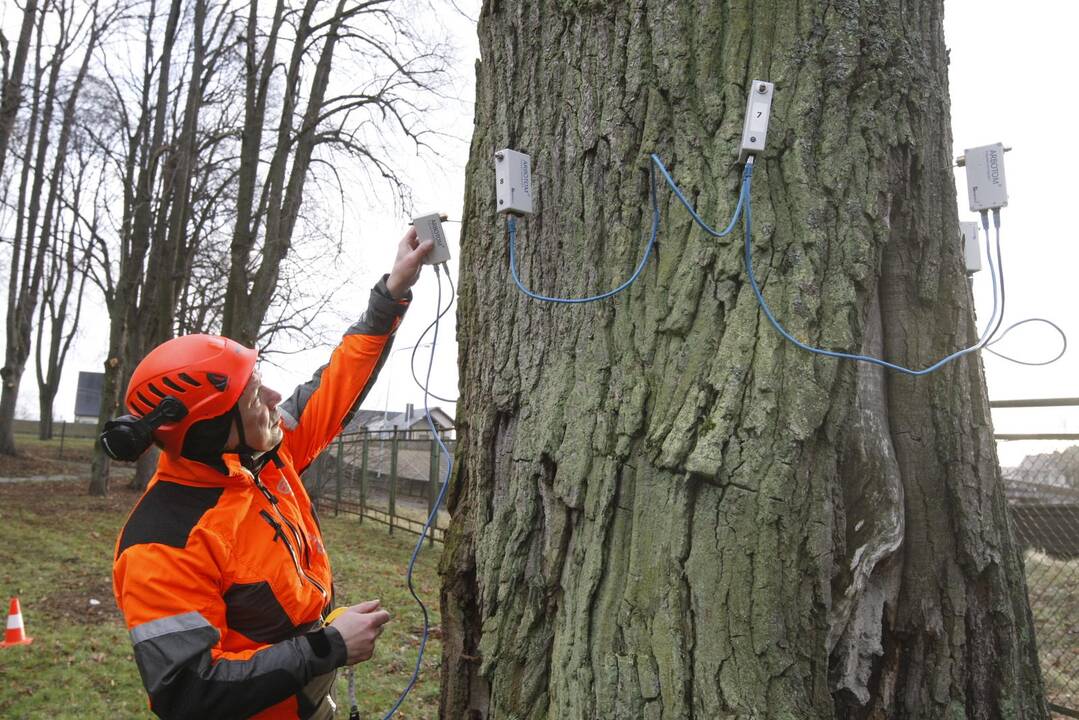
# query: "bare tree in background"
[[78, 32], [11, 90], [398, 65], [66, 273], [158, 161], [233, 113]]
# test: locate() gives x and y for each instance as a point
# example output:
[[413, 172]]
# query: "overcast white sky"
[[1012, 81]]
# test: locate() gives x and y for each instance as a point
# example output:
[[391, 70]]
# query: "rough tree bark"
[[661, 508]]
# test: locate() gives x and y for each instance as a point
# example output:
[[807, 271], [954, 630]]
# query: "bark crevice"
[[671, 511]]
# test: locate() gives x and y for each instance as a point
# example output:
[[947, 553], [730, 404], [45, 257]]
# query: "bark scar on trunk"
[[872, 492]]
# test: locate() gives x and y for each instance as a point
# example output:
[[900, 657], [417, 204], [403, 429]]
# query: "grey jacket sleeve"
[[173, 657], [321, 407], [382, 311]]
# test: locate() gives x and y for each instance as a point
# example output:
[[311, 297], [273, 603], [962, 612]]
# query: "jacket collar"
[[217, 471], [193, 472]]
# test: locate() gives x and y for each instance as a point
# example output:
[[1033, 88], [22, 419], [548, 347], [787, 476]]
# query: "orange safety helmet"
[[206, 373]]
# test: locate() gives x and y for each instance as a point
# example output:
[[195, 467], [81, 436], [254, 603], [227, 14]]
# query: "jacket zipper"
[[300, 541], [279, 532]]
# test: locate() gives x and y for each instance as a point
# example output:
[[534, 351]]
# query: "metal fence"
[[64, 433], [1041, 478], [390, 477]]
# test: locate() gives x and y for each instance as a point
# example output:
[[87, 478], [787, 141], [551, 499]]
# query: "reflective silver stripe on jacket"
[[166, 625]]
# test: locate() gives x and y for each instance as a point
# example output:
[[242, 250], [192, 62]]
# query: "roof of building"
[[411, 418], [1044, 477]]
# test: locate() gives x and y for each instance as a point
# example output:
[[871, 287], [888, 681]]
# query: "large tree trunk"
[[112, 386], [662, 509]]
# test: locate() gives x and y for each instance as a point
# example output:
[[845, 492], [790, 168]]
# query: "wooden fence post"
[[393, 478], [433, 488], [340, 466], [363, 476]]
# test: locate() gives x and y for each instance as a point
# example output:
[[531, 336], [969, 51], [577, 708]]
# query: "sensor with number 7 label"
[[755, 127], [429, 227]]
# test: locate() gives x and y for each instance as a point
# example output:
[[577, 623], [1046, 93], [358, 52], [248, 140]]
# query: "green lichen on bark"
[[662, 509]]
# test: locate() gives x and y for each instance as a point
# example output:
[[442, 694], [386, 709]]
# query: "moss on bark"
[[661, 508]]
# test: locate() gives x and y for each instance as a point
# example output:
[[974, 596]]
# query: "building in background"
[[383, 423], [88, 396]]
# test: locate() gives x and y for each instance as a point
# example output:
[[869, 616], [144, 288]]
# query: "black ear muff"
[[127, 437]]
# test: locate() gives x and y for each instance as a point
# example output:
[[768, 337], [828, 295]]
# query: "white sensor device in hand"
[[758, 110], [986, 189], [513, 182], [429, 227], [971, 250]]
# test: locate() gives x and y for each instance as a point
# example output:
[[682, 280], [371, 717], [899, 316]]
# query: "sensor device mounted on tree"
[[513, 193], [755, 127], [986, 188], [513, 182], [429, 228], [968, 232]]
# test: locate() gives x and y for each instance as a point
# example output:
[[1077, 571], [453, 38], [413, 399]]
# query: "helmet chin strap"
[[242, 448], [254, 460]]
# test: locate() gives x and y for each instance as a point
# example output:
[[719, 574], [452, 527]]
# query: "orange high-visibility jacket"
[[221, 572]]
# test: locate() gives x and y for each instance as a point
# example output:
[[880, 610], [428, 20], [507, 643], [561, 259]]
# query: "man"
[[220, 570]]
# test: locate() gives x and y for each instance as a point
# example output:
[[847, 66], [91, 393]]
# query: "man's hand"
[[406, 268], [360, 626]]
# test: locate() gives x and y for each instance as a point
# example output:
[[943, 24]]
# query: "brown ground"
[[37, 458], [66, 499], [67, 595], [30, 463]]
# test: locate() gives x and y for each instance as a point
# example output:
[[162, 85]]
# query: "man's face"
[[258, 408]]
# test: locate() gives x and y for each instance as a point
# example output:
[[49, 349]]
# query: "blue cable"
[[697, 218], [744, 209], [656, 163], [511, 224], [746, 187], [512, 227], [434, 512]]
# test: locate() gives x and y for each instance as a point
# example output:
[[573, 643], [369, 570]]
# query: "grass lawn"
[[44, 457], [56, 545]]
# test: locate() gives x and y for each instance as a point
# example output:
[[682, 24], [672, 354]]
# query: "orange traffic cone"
[[15, 633]]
